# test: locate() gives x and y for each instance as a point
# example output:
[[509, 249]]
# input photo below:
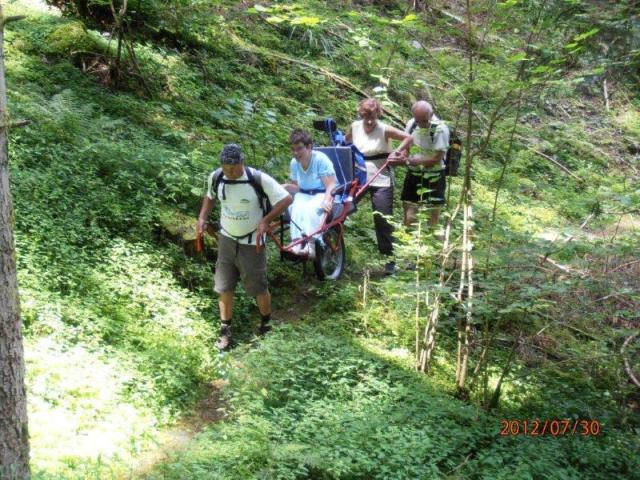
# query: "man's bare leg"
[[225, 302], [264, 303], [434, 218], [410, 213]]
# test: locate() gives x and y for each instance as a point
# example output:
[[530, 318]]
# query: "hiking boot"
[[263, 329], [224, 342], [390, 268]]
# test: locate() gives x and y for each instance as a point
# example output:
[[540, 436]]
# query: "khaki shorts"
[[237, 261]]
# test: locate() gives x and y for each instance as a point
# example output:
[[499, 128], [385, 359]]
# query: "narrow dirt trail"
[[213, 408], [210, 410]]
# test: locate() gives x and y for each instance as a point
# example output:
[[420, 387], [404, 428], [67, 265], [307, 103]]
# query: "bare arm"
[[205, 210], [396, 134], [329, 183], [291, 187], [425, 160], [398, 156], [276, 211]]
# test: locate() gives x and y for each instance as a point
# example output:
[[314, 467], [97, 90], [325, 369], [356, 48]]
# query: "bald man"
[[425, 182]]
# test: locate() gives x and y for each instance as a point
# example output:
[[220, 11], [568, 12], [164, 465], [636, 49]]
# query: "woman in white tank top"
[[373, 138]]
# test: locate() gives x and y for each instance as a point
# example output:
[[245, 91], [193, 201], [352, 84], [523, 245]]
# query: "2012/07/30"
[[553, 428]]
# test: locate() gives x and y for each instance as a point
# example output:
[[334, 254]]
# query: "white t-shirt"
[[240, 212], [422, 140]]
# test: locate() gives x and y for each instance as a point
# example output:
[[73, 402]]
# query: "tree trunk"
[[465, 291], [14, 435]]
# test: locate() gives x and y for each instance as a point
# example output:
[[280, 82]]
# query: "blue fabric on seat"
[[342, 164]]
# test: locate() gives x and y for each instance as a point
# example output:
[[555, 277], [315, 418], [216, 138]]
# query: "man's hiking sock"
[[225, 335]]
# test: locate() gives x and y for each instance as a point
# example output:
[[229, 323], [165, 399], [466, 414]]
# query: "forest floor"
[[120, 318]]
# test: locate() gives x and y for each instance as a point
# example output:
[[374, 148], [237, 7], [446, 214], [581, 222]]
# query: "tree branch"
[[243, 45], [10, 19], [19, 123], [627, 367], [558, 164]]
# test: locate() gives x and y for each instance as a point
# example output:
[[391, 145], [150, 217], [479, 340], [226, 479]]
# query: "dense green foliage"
[[307, 404], [120, 320]]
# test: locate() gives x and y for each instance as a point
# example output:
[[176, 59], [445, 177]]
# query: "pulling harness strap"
[[377, 156], [248, 236], [312, 191]]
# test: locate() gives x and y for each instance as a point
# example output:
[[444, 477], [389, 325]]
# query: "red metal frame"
[[338, 221], [354, 193]]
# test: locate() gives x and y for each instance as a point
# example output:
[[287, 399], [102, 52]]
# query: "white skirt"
[[306, 214]]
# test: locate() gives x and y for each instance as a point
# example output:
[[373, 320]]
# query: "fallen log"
[[556, 163]]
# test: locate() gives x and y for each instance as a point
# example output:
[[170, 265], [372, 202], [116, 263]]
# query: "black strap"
[[248, 236], [254, 178], [427, 173], [226, 181], [432, 128], [312, 191], [217, 178], [377, 156]]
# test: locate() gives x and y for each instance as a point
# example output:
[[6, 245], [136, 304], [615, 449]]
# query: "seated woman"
[[311, 178]]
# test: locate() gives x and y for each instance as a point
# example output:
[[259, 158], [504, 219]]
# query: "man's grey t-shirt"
[[426, 146]]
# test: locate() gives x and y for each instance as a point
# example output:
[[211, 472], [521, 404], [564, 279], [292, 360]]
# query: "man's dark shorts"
[[421, 187], [237, 261]]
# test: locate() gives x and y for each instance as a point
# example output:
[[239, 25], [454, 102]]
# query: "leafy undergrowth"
[[80, 424], [308, 403], [120, 322]]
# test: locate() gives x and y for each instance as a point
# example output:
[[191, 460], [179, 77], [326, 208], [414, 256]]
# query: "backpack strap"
[[413, 126], [432, 131], [432, 128], [217, 178], [255, 179], [248, 236]]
